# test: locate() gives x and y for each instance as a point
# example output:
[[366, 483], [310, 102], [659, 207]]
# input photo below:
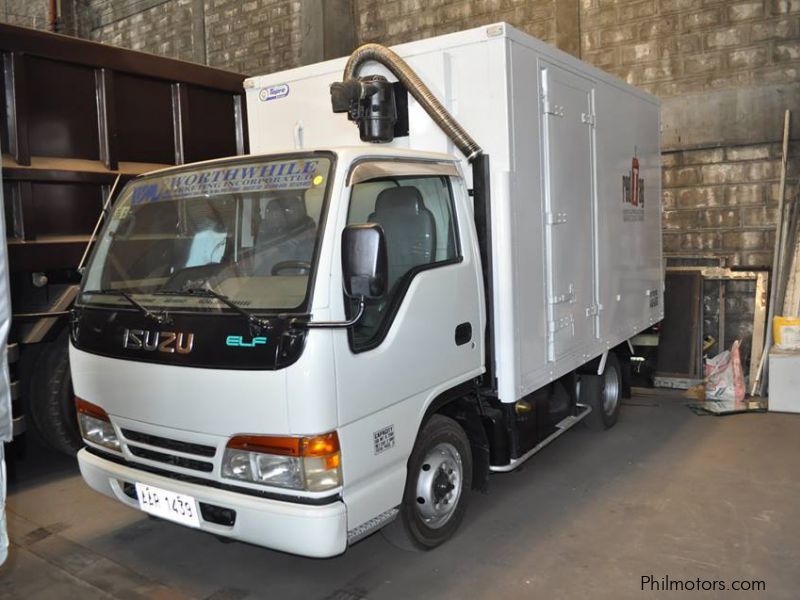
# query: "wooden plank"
[[791, 306], [761, 376], [759, 325], [63, 252], [93, 54], [27, 216], [106, 118], [17, 106], [46, 168], [180, 120], [791, 291], [240, 120]]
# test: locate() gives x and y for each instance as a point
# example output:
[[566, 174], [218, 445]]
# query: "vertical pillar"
[[568, 26], [199, 31], [328, 30]]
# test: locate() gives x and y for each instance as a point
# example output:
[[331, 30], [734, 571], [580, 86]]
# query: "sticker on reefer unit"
[[273, 92], [633, 194]]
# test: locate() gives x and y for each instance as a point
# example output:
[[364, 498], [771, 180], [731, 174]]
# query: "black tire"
[[604, 394], [410, 530], [51, 404]]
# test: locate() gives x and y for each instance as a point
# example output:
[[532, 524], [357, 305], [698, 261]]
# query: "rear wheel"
[[52, 404], [437, 487], [603, 393]]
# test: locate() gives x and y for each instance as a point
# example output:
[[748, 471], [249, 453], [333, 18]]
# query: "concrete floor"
[[665, 492]]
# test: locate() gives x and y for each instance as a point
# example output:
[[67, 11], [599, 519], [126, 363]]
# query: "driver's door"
[[424, 337]]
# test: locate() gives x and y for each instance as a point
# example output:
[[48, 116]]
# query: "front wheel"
[[437, 487]]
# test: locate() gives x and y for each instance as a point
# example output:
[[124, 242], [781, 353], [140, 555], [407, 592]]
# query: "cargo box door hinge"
[[555, 338], [555, 110], [567, 298], [588, 118], [556, 218], [554, 325]]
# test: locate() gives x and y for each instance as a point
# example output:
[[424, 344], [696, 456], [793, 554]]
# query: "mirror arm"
[[331, 324]]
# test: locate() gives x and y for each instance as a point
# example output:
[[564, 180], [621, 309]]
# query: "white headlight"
[[98, 431], [269, 469], [300, 463]]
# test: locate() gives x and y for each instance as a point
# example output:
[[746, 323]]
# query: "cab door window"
[[418, 220]]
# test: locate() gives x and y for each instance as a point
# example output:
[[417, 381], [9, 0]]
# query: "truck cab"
[[218, 383]]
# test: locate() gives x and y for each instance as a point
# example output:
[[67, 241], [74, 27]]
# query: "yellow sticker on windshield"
[[318, 179]]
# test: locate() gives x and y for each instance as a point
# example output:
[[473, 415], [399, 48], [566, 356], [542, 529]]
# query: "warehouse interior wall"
[[724, 69]]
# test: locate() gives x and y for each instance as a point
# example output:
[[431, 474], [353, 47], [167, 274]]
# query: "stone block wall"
[[398, 21], [156, 26], [674, 47], [722, 202], [253, 36], [248, 36], [25, 13]]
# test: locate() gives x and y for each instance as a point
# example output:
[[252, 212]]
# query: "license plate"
[[168, 505]]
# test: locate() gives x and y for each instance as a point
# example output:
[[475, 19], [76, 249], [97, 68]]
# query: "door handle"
[[463, 334]]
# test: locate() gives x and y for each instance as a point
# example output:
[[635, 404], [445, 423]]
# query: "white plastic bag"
[[725, 380]]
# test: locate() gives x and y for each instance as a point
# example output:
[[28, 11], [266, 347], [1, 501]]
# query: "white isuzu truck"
[[427, 270]]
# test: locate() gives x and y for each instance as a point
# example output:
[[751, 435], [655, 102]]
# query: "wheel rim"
[[611, 391], [439, 484]]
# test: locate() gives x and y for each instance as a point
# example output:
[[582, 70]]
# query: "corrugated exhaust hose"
[[421, 93]]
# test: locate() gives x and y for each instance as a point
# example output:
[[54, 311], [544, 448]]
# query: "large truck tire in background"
[[51, 400], [75, 116]]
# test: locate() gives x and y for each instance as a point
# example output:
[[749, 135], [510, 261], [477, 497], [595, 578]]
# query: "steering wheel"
[[178, 280], [300, 265]]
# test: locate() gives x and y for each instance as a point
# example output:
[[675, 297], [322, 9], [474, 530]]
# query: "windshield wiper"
[[161, 317], [208, 292]]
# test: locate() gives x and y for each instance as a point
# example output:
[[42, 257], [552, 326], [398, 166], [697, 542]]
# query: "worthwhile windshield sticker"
[[285, 175]]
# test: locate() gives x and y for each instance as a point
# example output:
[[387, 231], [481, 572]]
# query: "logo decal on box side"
[[383, 439], [633, 194], [273, 92]]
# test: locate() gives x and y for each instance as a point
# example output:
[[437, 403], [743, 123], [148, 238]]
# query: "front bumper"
[[316, 531]]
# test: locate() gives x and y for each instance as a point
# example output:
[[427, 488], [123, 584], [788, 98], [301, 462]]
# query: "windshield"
[[246, 230]]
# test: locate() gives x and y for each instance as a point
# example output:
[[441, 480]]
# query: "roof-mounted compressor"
[[370, 103]]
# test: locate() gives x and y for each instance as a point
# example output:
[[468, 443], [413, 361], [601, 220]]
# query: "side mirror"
[[364, 264]]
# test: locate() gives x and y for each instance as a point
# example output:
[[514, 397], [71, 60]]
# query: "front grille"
[[168, 444], [171, 459]]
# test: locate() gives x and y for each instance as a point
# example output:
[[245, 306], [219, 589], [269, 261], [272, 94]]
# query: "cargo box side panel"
[[630, 276], [577, 216]]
